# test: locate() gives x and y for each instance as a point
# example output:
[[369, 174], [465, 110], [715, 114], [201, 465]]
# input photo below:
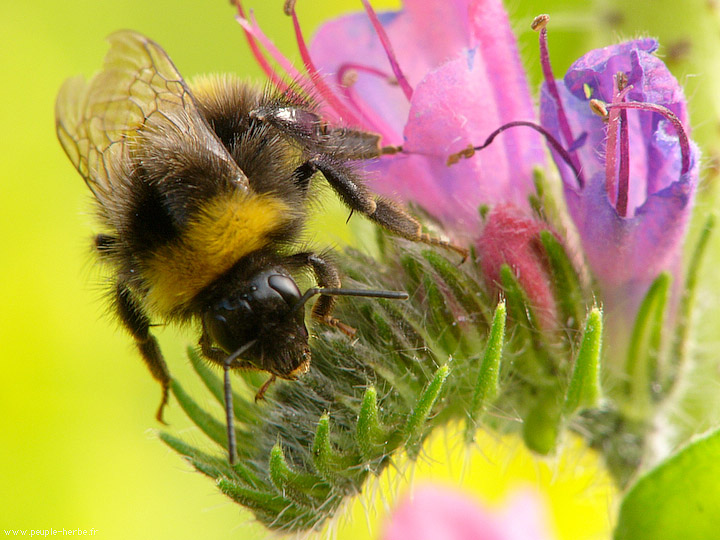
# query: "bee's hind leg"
[[136, 321]]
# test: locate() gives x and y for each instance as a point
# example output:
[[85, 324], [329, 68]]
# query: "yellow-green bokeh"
[[77, 447]]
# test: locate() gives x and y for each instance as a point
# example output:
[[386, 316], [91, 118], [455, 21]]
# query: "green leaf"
[[680, 498], [214, 383], [584, 389], [272, 509], [209, 465]]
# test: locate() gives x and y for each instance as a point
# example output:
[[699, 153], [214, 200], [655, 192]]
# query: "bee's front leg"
[[326, 275]]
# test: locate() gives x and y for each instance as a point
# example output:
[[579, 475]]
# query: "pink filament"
[[261, 60], [325, 91], [351, 66], [371, 119], [399, 75], [252, 27], [553, 89]]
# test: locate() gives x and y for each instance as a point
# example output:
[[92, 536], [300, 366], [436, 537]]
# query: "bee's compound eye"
[[285, 287], [230, 326]]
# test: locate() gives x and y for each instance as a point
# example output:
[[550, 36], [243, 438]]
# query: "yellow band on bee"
[[225, 229]]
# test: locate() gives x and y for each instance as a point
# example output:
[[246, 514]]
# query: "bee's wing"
[[138, 87]]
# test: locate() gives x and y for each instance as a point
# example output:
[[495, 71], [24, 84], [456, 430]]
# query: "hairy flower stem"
[[415, 365]]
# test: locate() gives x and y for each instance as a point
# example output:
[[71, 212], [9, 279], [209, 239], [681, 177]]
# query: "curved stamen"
[[348, 67], [672, 118], [346, 77], [380, 31], [552, 141]]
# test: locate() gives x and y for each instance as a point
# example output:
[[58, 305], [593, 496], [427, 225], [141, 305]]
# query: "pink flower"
[[435, 77], [440, 513]]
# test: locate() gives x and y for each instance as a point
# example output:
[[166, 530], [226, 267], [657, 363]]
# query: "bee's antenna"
[[229, 415], [368, 293]]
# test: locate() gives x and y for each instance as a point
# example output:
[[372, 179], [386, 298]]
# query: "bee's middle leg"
[[382, 211]]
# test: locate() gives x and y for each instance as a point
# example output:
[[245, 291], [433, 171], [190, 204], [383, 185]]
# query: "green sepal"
[[372, 437], [645, 348], [487, 384], [533, 364], [333, 466], [270, 508], [441, 321], [567, 290], [466, 292], [214, 429], [584, 389], [680, 352], [415, 425], [543, 202], [302, 487], [413, 271], [394, 340]]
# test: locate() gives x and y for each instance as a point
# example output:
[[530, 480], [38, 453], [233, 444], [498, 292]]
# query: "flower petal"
[[435, 512], [461, 58]]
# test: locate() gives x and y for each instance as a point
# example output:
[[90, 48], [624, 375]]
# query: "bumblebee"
[[202, 195]]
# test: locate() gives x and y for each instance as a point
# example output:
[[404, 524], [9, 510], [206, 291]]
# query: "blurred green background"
[[77, 441]]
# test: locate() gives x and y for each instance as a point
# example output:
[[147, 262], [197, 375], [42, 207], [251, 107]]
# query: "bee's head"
[[262, 309]]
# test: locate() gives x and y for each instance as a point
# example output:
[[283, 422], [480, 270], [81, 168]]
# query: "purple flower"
[[637, 172], [434, 78], [434, 512]]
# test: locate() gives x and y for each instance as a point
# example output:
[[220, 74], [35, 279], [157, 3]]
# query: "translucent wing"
[[138, 88]]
